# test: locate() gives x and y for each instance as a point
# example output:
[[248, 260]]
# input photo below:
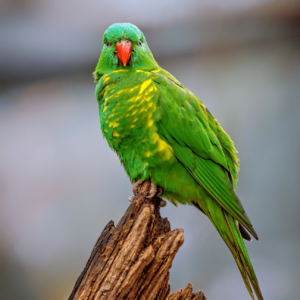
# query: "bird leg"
[[136, 186], [155, 190]]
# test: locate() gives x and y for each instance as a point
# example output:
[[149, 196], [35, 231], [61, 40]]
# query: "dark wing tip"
[[254, 234], [245, 234]]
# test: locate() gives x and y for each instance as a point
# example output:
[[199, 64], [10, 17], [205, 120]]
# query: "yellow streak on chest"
[[113, 124], [162, 149], [144, 95]]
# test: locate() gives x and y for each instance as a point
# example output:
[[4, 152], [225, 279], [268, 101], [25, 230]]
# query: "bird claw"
[[156, 190], [153, 190], [136, 186], [159, 191]]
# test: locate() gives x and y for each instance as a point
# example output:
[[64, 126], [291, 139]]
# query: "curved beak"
[[124, 48]]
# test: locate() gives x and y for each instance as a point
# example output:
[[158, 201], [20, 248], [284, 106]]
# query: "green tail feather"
[[241, 257], [229, 231]]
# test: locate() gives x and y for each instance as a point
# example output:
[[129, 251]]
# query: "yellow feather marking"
[[104, 109], [132, 89], [162, 146], [106, 78], [149, 98], [121, 91], [113, 124], [105, 100], [150, 91], [109, 97], [155, 137], [155, 71], [140, 71], [134, 120], [147, 153], [117, 71], [134, 98], [150, 123], [132, 126], [111, 115], [144, 85], [114, 133], [131, 107], [134, 112], [150, 105]]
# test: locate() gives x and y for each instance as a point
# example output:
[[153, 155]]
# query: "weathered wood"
[[132, 260], [187, 294]]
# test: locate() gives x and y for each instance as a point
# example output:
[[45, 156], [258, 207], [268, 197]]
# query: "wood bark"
[[132, 260]]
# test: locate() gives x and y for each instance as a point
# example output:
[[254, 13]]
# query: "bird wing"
[[199, 143]]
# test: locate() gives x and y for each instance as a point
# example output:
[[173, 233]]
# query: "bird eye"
[[107, 44], [140, 43]]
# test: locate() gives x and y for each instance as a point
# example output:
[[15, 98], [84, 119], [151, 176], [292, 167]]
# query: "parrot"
[[163, 133]]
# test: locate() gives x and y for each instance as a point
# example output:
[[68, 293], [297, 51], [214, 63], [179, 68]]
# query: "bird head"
[[124, 47]]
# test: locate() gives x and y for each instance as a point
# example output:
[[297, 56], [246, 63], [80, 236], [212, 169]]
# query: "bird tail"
[[228, 228]]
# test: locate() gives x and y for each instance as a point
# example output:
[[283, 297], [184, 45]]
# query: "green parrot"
[[162, 132]]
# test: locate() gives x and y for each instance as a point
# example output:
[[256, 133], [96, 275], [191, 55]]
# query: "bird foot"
[[155, 190], [136, 187]]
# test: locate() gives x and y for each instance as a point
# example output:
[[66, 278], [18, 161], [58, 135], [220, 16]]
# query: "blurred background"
[[60, 184]]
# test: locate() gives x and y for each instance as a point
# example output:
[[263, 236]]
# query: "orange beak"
[[124, 48]]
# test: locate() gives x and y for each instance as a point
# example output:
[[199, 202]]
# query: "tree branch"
[[132, 260]]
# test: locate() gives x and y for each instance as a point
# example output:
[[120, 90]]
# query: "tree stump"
[[132, 260]]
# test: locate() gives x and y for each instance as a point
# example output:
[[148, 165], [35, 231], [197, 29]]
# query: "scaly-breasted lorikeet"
[[161, 131]]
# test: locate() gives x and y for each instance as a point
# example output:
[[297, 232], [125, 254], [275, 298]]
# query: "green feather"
[[163, 132]]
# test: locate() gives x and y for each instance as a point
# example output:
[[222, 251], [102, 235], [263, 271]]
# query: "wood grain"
[[132, 260]]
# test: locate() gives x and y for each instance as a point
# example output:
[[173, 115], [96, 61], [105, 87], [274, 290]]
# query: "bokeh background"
[[60, 183]]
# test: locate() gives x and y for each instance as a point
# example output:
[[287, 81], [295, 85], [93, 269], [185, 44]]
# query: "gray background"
[[59, 181]]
